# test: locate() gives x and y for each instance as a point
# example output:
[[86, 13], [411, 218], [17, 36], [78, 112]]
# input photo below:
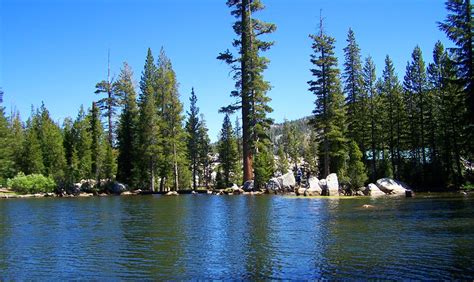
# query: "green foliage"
[[264, 167], [282, 164], [193, 138], [329, 114], [127, 131], [356, 171], [6, 151], [227, 149], [248, 68], [458, 26], [32, 183], [204, 151]]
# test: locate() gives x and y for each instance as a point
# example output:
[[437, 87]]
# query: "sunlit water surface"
[[237, 237]]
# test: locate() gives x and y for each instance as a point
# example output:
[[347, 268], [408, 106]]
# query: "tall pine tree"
[[329, 114]]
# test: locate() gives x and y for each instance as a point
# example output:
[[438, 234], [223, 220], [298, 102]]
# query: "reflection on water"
[[238, 237]]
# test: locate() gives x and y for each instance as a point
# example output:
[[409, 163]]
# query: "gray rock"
[[172, 193], [248, 186], [300, 191], [332, 184], [274, 185], [118, 188], [390, 186], [288, 181], [314, 188], [373, 191]]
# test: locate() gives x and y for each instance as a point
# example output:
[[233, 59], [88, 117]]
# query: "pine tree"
[[264, 166], [82, 145], [18, 135], [449, 113], [149, 136], [204, 151], [329, 115], [311, 154], [248, 70], [109, 104], [458, 26], [282, 165], [356, 171], [415, 86], [356, 98], [127, 131], [227, 149], [292, 142], [51, 142], [393, 104], [32, 156], [192, 129], [96, 131], [369, 85], [6, 150], [173, 134], [72, 163]]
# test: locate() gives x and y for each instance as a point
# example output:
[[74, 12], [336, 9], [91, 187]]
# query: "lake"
[[430, 236]]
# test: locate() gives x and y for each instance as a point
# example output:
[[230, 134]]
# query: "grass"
[[468, 186]]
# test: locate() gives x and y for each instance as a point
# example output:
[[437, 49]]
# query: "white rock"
[[332, 184], [390, 186], [373, 191]]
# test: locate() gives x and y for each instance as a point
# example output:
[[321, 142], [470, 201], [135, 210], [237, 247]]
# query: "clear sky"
[[56, 50]]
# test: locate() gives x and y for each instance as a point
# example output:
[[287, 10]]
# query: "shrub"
[[30, 184]]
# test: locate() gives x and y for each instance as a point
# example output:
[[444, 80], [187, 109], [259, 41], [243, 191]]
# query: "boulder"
[[314, 189], [118, 188], [300, 191], [312, 192], [390, 186], [85, 195], [373, 190], [172, 193], [288, 181], [332, 184], [274, 185], [248, 186]]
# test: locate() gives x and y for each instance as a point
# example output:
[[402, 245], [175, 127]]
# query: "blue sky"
[[56, 50]]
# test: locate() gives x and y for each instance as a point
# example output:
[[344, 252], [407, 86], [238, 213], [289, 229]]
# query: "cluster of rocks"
[[330, 187], [91, 187]]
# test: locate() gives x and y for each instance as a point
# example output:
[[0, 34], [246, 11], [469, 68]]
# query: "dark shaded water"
[[239, 237]]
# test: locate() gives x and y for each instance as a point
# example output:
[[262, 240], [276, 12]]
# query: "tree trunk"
[[246, 134]]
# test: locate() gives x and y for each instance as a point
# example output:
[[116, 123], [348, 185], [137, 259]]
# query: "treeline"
[[418, 130], [146, 142]]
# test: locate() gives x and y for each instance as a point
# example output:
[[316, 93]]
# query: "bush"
[[30, 184]]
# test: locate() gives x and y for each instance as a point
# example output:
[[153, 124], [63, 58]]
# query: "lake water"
[[237, 237]]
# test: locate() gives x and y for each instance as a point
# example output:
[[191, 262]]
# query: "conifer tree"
[[82, 145], [192, 129], [329, 114], [369, 85], [356, 171], [204, 150], [149, 136], [32, 155], [96, 131], [264, 165], [51, 142], [458, 26], [127, 131], [18, 135], [449, 114], [108, 104], [248, 70], [173, 134], [282, 165], [72, 174], [227, 149], [6, 150], [415, 86], [356, 98], [393, 105]]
